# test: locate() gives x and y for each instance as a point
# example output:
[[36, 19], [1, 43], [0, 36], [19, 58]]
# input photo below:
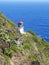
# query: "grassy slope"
[[32, 47]]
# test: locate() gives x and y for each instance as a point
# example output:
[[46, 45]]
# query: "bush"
[[31, 32], [8, 52], [31, 56], [26, 46], [14, 42], [15, 48]]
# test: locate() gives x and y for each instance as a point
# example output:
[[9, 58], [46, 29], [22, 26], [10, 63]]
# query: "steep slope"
[[7, 29], [17, 49]]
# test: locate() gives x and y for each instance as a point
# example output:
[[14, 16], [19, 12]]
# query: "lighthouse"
[[21, 27]]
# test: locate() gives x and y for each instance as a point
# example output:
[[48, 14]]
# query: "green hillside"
[[18, 49]]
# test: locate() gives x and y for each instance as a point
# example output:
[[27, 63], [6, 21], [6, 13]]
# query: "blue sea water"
[[34, 15]]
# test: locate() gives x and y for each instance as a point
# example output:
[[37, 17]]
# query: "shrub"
[[15, 48], [31, 32], [26, 46], [31, 56], [8, 52]]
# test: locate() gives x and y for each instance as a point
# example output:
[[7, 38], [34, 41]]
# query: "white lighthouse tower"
[[21, 27]]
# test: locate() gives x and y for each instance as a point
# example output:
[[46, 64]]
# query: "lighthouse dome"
[[20, 22]]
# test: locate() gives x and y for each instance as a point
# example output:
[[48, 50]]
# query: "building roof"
[[20, 22]]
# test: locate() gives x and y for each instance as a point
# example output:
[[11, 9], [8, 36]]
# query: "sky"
[[24, 0]]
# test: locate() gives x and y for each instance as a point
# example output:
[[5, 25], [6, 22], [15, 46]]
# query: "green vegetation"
[[32, 32], [7, 59], [15, 48], [31, 46], [26, 46], [33, 57], [8, 52]]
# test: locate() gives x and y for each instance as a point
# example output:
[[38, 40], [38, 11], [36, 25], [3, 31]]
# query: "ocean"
[[35, 16]]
